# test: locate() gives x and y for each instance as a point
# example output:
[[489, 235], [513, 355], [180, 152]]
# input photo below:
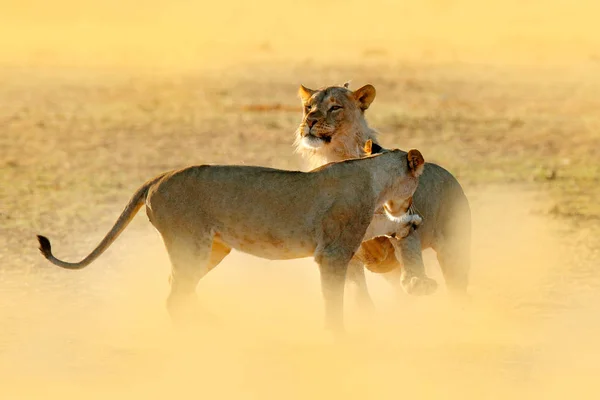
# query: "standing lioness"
[[334, 128], [202, 212]]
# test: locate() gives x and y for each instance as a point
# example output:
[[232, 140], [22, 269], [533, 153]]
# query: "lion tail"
[[134, 205]]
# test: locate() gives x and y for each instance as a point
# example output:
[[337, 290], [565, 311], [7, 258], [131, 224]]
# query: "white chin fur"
[[405, 218], [312, 142]]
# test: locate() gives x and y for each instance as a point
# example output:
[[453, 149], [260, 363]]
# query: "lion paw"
[[419, 286]]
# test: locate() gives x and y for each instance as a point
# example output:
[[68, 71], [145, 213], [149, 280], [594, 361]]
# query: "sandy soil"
[[90, 110]]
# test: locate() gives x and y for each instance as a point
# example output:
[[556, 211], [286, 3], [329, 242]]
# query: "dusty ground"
[[86, 116]]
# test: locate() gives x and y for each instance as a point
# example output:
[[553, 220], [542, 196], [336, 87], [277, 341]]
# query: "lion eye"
[[307, 109], [334, 108]]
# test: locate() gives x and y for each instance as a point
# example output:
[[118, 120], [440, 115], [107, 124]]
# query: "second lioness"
[[203, 212], [334, 128]]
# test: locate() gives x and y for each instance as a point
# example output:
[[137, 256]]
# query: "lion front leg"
[[412, 277], [333, 266], [356, 274], [336, 246], [333, 276]]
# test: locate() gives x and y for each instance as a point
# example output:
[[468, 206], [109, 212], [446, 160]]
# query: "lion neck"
[[345, 143], [385, 184]]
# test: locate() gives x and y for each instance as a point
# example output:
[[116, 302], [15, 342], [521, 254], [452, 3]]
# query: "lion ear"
[[368, 147], [416, 162], [305, 93], [347, 84], [365, 96]]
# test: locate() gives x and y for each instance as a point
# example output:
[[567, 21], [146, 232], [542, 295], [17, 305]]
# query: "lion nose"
[[311, 122]]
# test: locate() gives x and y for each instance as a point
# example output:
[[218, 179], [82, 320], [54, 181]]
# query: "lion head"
[[333, 126]]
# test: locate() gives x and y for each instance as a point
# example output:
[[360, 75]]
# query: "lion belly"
[[268, 245]]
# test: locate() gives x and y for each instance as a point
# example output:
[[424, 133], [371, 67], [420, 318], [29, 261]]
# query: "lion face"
[[330, 115]]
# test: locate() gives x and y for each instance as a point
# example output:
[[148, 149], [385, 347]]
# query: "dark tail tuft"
[[45, 248]]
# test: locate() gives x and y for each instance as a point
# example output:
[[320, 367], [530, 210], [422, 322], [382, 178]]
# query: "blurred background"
[[195, 33], [97, 97]]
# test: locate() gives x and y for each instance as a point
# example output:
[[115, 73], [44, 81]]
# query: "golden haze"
[[502, 93], [186, 33]]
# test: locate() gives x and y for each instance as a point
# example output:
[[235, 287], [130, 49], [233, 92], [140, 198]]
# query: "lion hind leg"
[[455, 261], [191, 259], [453, 247]]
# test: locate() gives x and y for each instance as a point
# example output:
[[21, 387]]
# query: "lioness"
[[202, 212], [334, 128]]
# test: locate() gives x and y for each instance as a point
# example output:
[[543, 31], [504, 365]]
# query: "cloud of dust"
[[104, 332]]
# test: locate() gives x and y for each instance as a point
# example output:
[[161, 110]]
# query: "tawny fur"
[[203, 212]]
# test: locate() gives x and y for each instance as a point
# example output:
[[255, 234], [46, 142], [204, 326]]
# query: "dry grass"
[[90, 110]]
